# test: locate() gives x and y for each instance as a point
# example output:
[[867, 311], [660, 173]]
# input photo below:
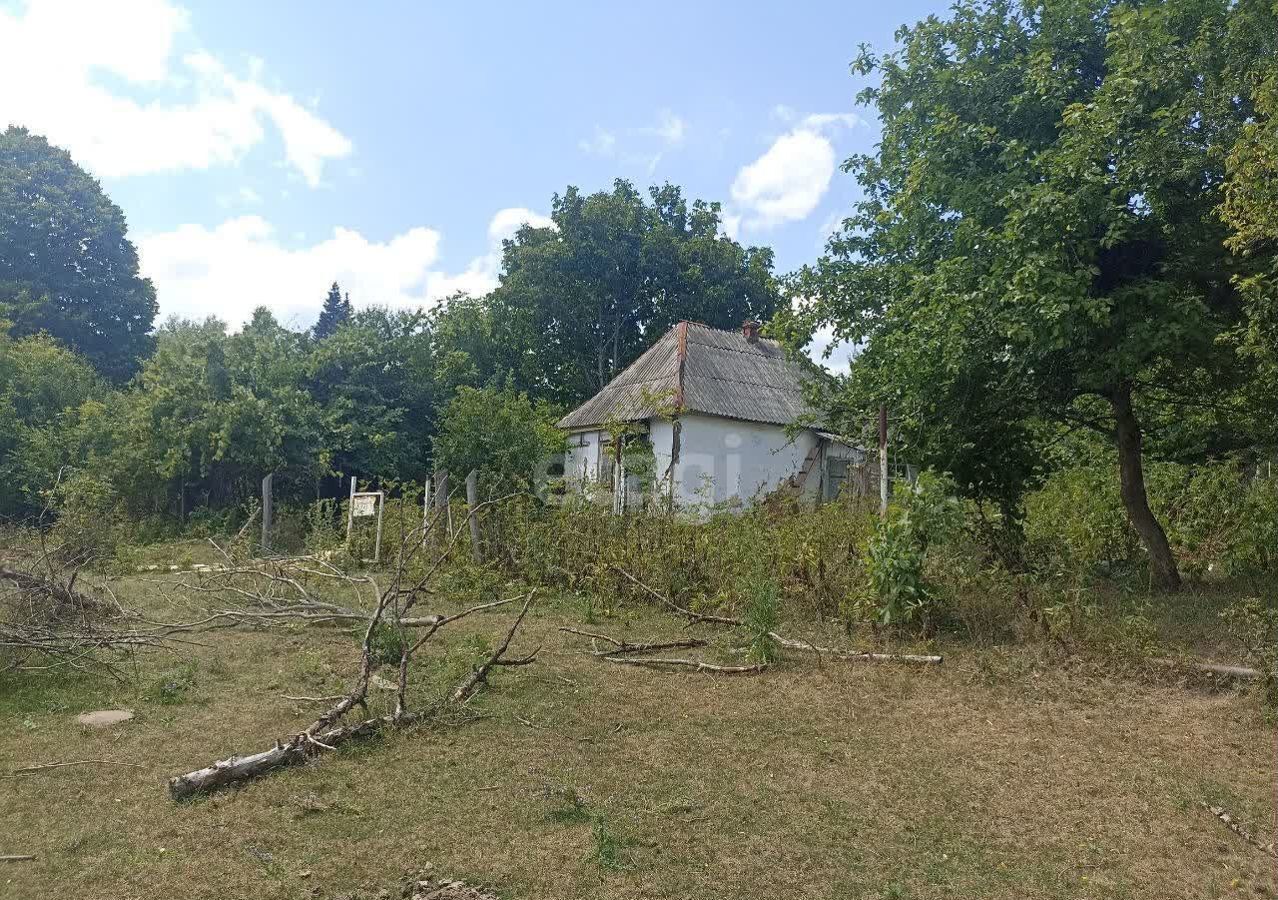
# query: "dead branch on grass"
[[625, 647], [630, 654], [790, 643], [32, 770], [324, 734], [1232, 824], [694, 664], [327, 733]]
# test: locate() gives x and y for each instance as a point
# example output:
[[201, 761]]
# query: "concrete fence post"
[[472, 501]]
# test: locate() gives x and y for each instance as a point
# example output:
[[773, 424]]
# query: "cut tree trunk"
[[1131, 475]]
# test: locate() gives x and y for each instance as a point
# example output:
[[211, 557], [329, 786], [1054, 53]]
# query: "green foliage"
[[610, 849], [1040, 238], [901, 594], [762, 615], [172, 686], [500, 432], [1221, 519], [67, 266], [580, 301], [335, 313], [387, 643], [1253, 625], [812, 557], [41, 386]]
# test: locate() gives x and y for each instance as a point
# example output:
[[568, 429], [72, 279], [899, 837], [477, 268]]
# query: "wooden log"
[[1233, 825], [235, 769]]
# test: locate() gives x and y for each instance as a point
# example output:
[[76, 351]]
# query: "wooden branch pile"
[[846, 655], [393, 608], [46, 621]]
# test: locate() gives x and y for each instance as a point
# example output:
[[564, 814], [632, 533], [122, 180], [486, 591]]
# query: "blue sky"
[[262, 150]]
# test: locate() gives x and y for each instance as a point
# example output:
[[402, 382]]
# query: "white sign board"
[[363, 505]]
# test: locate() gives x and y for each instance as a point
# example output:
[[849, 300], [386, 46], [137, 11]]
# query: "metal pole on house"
[[350, 514], [883, 462], [377, 547], [267, 512], [472, 501]]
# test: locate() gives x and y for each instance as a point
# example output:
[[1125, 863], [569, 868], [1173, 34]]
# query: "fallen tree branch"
[[64, 595], [791, 643], [1229, 822], [693, 617], [697, 665], [856, 655], [31, 770], [17, 857], [628, 648], [323, 735], [472, 683]]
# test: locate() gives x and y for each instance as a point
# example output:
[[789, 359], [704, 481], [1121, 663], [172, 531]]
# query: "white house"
[[723, 414]]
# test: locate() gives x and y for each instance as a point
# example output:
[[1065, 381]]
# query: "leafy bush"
[[1219, 518], [899, 593], [502, 433], [1253, 624], [762, 615]]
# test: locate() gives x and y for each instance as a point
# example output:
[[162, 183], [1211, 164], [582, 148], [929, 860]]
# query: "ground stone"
[[104, 718]]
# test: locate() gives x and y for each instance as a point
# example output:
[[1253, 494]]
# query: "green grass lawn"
[[995, 775]]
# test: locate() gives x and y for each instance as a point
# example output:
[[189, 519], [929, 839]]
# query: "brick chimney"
[[750, 329]]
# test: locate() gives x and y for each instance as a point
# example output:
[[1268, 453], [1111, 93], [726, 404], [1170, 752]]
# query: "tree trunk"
[[1131, 476]]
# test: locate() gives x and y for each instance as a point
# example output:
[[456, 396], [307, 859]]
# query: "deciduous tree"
[[1040, 241], [66, 264]]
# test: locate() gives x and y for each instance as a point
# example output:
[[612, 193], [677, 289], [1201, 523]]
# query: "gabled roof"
[[702, 370]]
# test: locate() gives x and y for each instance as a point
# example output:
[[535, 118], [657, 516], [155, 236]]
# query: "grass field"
[[995, 775]]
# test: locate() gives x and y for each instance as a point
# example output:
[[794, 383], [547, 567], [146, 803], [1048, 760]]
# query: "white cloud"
[[603, 143], [787, 182], [102, 80], [243, 263], [641, 146], [670, 128], [507, 221]]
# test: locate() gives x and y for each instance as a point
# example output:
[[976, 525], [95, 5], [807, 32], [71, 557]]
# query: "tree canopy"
[[336, 310], [66, 264], [580, 300], [1041, 245]]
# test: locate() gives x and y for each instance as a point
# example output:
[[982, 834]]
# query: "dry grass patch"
[[990, 776]]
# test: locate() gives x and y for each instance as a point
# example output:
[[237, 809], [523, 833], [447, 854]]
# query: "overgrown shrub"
[[1220, 518], [926, 514], [812, 558]]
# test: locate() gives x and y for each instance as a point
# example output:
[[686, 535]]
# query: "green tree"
[[373, 382], [336, 312], [1040, 242], [66, 264], [500, 432], [42, 384], [581, 300]]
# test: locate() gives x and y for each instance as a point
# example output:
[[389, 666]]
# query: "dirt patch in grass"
[[990, 776]]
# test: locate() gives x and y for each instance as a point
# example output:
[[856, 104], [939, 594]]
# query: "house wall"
[[725, 459], [582, 462]]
